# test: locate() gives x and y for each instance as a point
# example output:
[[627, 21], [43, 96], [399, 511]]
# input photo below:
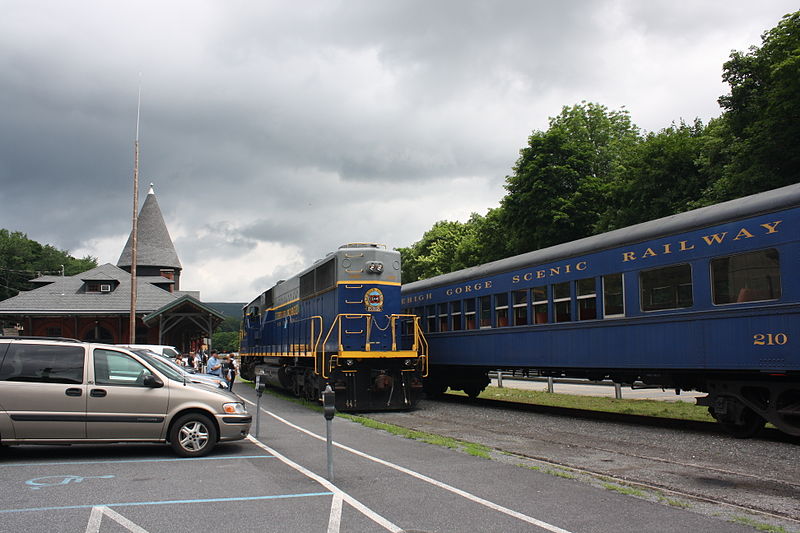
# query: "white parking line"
[[334, 517], [417, 475]]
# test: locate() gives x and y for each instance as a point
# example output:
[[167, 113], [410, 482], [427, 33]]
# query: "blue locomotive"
[[339, 323], [707, 300]]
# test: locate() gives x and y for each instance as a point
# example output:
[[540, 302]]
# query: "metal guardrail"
[[499, 375]]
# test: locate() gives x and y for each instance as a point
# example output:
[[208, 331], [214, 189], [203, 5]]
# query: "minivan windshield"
[[169, 352], [162, 366]]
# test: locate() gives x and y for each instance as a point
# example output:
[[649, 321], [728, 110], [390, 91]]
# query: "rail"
[[499, 375], [419, 343]]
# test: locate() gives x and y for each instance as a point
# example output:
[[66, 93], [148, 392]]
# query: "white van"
[[160, 349]]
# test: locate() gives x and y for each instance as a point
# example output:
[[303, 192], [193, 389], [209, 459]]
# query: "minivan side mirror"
[[152, 381]]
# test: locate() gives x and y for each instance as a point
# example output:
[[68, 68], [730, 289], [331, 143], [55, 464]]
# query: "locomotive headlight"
[[375, 267], [408, 362], [349, 362]]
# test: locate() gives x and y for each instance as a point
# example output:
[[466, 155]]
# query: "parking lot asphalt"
[[277, 482]]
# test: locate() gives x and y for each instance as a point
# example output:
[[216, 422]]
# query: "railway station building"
[[95, 305]]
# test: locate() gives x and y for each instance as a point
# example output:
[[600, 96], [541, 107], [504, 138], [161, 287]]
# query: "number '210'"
[[770, 339]]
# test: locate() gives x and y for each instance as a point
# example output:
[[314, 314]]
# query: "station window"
[[562, 302], [666, 288], [431, 316], [749, 277], [613, 301], [587, 299], [501, 310], [539, 297], [443, 318], [469, 314], [486, 311], [455, 311], [520, 299]]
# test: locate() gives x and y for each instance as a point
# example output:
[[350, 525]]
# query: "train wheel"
[[434, 389], [472, 391], [748, 424]]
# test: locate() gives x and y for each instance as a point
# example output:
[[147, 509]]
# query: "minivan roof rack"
[[34, 338]]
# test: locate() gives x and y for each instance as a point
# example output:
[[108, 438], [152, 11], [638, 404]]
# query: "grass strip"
[[680, 410]]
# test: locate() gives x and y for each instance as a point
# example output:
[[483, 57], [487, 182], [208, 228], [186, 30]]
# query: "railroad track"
[[692, 461]]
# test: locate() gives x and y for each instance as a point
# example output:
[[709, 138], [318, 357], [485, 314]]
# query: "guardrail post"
[[500, 379], [549, 384], [617, 391]]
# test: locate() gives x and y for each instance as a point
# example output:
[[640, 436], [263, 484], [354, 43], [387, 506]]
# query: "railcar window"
[[520, 299], [501, 310], [613, 301], [486, 311], [431, 315], [469, 314], [443, 318], [587, 299], [455, 310], [561, 302], [539, 304], [749, 277], [666, 288]]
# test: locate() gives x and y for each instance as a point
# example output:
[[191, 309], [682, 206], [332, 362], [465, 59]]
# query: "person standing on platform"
[[214, 365], [230, 369]]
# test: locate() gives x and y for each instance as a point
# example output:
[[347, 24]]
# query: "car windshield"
[[170, 370], [169, 352]]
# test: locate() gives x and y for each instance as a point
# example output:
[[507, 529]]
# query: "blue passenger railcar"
[[706, 300], [339, 323]]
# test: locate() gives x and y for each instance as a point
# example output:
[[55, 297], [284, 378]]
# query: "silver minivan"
[[57, 391]]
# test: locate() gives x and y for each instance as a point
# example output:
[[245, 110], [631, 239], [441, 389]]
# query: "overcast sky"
[[276, 131]]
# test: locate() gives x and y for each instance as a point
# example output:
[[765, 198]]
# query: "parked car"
[[60, 391], [190, 374]]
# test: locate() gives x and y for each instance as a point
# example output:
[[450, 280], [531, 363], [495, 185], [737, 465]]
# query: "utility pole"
[[134, 231]]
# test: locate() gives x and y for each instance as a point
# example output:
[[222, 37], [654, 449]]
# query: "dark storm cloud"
[[276, 132]]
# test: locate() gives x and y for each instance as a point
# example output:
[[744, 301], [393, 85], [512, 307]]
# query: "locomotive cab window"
[[748, 277], [666, 288]]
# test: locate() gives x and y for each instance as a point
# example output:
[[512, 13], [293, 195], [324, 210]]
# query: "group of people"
[[224, 366]]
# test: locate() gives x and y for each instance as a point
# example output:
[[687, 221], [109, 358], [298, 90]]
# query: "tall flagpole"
[[134, 231]]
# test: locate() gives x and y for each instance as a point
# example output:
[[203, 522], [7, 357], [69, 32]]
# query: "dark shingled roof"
[[66, 295], [154, 245]]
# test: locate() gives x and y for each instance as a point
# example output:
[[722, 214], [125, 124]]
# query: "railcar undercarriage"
[[741, 402], [360, 386]]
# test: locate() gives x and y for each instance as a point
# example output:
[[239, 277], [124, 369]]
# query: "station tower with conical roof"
[[155, 253]]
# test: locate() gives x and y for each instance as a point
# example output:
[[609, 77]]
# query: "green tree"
[[562, 179], [658, 177], [225, 341], [760, 136], [485, 241], [22, 259], [435, 253]]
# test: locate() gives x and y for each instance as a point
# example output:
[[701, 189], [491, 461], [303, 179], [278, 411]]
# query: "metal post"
[[617, 391], [549, 384], [500, 379], [329, 410], [259, 393], [329, 432]]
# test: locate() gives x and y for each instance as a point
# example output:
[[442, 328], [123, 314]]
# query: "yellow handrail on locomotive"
[[419, 346]]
